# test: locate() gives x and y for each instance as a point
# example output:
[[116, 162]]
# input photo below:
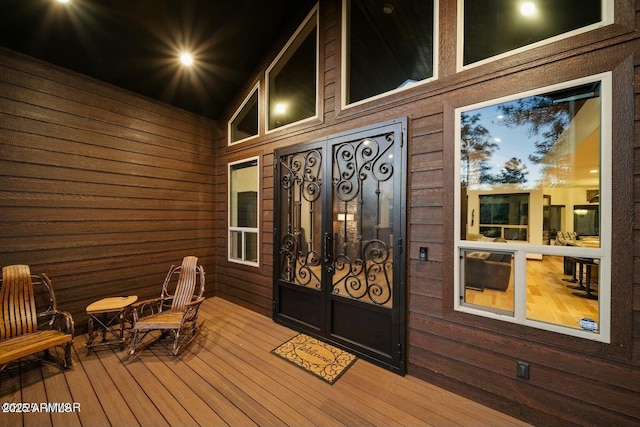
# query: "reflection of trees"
[[514, 172], [544, 117], [476, 149]]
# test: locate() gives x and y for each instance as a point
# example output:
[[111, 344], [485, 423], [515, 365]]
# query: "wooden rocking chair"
[[29, 319], [175, 314]]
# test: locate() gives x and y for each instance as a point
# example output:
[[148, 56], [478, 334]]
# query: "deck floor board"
[[227, 377]]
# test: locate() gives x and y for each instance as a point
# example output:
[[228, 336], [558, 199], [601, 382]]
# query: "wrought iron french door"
[[339, 233]]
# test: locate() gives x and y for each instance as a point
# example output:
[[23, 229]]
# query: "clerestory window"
[[387, 47], [491, 29]]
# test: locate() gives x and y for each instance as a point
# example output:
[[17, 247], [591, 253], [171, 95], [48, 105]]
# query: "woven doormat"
[[321, 359]]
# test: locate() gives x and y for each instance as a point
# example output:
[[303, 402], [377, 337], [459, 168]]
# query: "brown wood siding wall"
[[573, 382], [101, 189]]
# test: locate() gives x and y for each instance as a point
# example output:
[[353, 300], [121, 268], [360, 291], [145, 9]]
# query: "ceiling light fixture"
[[63, 1], [280, 108], [528, 8], [186, 59], [388, 8]]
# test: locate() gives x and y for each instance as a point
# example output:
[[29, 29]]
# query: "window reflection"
[[531, 178], [389, 46], [487, 280], [292, 79], [493, 27], [245, 123], [563, 291], [520, 156]]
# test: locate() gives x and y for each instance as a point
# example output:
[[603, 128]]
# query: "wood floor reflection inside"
[[551, 296]]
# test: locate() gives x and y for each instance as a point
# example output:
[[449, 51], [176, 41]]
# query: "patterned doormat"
[[321, 359]]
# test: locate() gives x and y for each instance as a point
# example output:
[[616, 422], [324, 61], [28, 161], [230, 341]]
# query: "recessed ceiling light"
[[280, 108], [528, 8], [63, 1], [388, 8], [186, 58]]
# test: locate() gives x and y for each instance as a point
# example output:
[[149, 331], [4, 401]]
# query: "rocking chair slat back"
[[18, 311], [186, 283]]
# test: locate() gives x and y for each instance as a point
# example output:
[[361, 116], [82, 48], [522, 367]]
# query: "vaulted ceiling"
[[134, 44]]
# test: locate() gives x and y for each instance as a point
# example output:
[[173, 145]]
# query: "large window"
[[243, 211], [526, 164], [292, 78], [387, 46], [491, 28], [244, 123]]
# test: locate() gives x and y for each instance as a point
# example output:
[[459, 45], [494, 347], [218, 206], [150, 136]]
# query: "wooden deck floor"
[[228, 377]]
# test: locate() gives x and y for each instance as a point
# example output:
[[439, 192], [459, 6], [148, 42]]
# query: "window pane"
[[251, 246], [564, 291], [492, 27], [292, 81], [245, 123], [487, 280], [243, 194], [235, 245], [531, 165], [389, 46], [509, 211]]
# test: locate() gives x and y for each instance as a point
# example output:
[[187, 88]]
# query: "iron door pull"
[[327, 251]]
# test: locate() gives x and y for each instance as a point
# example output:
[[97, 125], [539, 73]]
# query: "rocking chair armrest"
[[191, 309], [138, 304], [138, 308], [59, 321], [196, 301]]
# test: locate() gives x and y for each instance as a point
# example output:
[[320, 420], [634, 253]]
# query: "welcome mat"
[[321, 359]]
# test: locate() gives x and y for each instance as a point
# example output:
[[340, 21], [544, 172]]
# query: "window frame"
[[254, 90], [243, 230], [607, 10], [285, 53], [344, 81], [520, 250]]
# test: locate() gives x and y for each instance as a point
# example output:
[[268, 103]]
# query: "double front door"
[[339, 269]]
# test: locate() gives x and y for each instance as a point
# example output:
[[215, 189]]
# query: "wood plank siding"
[[101, 189], [104, 190], [228, 377]]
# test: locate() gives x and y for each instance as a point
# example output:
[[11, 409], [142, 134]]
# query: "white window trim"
[[243, 229], [607, 19], [520, 250], [255, 89], [343, 61], [306, 24]]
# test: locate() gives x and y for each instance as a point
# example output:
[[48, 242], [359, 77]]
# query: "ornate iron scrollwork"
[[355, 163], [301, 182], [364, 268], [368, 277]]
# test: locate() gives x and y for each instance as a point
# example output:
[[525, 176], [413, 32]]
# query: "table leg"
[[580, 285]]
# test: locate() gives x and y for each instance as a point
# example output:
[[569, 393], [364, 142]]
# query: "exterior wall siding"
[[572, 382], [101, 189]]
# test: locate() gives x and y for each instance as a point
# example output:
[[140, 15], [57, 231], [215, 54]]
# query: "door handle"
[[327, 252]]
